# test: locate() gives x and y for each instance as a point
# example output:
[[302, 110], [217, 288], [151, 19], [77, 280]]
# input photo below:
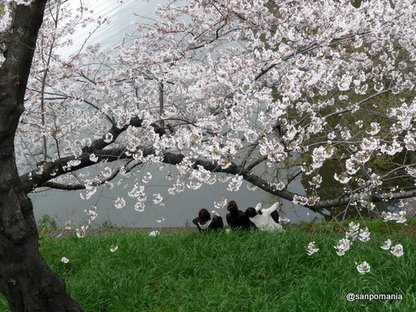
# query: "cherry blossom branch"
[[52, 170], [254, 163], [96, 182], [346, 110], [373, 198]]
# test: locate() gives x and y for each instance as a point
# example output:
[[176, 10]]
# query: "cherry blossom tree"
[[262, 92], [225, 91]]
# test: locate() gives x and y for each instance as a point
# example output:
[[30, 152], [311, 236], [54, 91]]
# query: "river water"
[[180, 209]]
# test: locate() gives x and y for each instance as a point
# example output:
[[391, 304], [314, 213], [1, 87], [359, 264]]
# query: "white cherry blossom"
[[343, 246], [311, 249], [65, 260], [397, 250], [363, 267], [119, 203], [386, 245]]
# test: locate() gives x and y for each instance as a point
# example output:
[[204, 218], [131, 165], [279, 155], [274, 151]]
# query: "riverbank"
[[182, 270], [322, 227]]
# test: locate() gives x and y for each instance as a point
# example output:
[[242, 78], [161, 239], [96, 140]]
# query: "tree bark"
[[25, 278]]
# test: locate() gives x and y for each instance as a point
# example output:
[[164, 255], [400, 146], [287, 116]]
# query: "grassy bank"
[[255, 271]]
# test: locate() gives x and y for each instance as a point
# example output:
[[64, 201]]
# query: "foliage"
[[108, 225], [253, 271], [46, 223]]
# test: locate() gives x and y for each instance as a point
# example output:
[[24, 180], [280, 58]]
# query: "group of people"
[[266, 219]]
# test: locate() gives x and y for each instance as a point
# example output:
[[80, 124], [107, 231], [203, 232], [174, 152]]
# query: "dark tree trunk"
[[25, 278]]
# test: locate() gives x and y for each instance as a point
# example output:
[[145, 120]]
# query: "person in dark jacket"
[[204, 222], [237, 219]]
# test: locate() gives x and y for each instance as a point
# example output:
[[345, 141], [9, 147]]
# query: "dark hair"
[[251, 212], [203, 216], [232, 206]]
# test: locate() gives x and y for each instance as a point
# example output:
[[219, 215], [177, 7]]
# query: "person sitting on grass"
[[263, 218], [237, 219], [205, 223]]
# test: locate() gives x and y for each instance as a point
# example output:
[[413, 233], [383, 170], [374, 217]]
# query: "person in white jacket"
[[263, 219]]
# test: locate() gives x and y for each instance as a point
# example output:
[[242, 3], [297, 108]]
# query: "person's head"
[[232, 207], [203, 216], [251, 212]]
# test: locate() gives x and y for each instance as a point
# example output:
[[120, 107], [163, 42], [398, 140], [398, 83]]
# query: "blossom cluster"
[[396, 250], [354, 232], [399, 217]]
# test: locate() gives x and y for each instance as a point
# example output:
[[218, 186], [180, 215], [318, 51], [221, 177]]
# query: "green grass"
[[233, 272]]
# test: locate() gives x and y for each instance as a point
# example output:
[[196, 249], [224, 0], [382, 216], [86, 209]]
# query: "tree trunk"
[[25, 278]]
